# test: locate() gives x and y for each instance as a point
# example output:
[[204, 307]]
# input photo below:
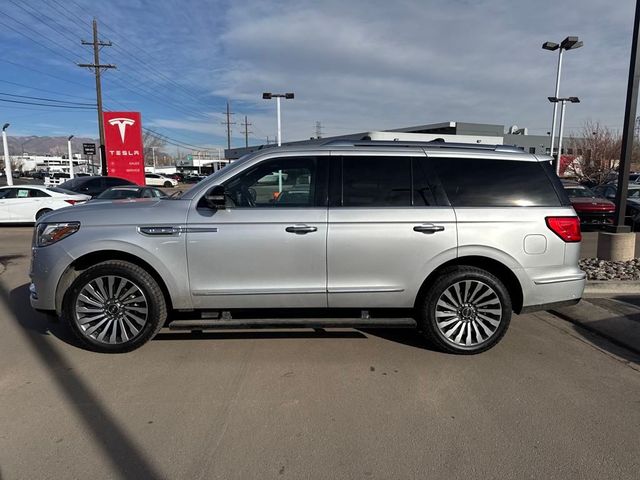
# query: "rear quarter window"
[[475, 182]]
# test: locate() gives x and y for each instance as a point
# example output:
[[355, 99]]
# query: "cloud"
[[368, 65]]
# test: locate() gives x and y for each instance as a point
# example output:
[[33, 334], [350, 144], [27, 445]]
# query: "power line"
[[26, 67], [34, 40], [60, 31], [30, 87], [46, 104], [47, 99], [65, 9], [177, 143]]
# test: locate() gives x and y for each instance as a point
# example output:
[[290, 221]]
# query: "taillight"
[[72, 202], [567, 228]]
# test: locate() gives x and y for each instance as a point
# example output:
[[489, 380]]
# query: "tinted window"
[[376, 181], [71, 184], [283, 182], [8, 193], [495, 183], [113, 181], [37, 193]]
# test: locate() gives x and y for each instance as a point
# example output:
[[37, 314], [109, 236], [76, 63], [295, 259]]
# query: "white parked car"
[[27, 203], [157, 180]]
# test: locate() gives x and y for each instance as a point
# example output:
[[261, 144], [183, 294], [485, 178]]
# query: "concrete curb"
[[603, 287]]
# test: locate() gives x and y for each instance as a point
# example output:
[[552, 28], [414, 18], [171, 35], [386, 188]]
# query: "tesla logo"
[[122, 125]]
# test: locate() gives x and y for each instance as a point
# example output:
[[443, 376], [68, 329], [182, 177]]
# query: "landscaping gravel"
[[608, 270]]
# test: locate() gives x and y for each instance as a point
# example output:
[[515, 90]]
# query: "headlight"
[[49, 233]]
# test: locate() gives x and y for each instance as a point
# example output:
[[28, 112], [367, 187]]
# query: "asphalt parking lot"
[[550, 401]]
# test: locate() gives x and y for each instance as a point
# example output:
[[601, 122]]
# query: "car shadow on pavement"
[[126, 458], [605, 335]]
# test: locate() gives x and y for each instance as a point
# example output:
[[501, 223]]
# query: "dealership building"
[[463, 132]]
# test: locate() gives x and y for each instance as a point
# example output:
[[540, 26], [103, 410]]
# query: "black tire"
[[467, 314], [168, 185], [154, 300], [42, 212]]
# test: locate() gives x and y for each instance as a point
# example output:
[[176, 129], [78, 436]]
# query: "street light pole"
[[71, 175], [279, 124], [563, 101], [278, 96], [555, 104], [7, 162], [569, 43]]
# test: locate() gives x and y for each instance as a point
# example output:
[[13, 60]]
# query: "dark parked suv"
[[93, 186]]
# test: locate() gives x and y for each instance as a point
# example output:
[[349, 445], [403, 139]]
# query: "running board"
[[218, 324]]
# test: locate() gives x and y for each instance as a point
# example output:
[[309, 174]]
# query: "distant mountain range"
[[45, 145]]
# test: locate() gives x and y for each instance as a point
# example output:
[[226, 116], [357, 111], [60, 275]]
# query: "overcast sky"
[[353, 65]]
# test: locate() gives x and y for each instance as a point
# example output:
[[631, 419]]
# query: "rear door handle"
[[301, 229], [428, 228]]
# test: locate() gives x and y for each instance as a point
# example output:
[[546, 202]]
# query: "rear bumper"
[[550, 291]]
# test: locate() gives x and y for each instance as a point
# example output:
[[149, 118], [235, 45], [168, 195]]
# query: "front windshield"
[[633, 192], [579, 192]]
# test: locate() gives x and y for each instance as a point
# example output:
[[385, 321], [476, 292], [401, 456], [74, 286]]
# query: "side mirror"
[[215, 198]]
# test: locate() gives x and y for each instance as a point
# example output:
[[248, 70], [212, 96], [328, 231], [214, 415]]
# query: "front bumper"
[[47, 266]]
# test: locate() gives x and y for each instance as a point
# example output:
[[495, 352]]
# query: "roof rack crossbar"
[[429, 144]]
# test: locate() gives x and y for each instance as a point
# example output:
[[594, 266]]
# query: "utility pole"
[[153, 149], [627, 132], [97, 69], [246, 131], [318, 129], [228, 123]]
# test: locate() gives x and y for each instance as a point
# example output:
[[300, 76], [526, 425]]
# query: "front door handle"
[[428, 228], [301, 229]]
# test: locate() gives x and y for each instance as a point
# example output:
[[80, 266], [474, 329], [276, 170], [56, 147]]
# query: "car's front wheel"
[[168, 184], [115, 307], [467, 310]]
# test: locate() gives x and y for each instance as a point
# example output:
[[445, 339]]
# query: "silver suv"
[[447, 238]]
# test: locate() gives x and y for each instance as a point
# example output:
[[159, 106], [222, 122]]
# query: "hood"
[[138, 211]]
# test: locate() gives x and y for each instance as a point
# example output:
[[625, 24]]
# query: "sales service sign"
[[123, 143]]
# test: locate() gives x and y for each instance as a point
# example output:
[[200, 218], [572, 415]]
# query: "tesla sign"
[[123, 143]]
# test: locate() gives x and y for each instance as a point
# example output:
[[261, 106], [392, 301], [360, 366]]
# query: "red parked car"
[[592, 209]]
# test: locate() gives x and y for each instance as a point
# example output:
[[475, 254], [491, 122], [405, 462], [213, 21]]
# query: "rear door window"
[[376, 181], [475, 182]]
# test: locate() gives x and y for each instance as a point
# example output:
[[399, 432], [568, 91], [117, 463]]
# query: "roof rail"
[[438, 143]]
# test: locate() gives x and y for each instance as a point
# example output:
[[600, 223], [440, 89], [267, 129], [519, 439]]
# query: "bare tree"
[[597, 151], [151, 141]]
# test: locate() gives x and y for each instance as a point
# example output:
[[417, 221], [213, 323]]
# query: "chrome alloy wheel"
[[468, 313], [111, 309]]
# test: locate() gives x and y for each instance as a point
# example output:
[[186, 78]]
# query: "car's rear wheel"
[[467, 310], [115, 307], [42, 212], [168, 184]]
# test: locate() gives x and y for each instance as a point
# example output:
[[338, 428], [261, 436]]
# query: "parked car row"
[[27, 203], [595, 206]]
